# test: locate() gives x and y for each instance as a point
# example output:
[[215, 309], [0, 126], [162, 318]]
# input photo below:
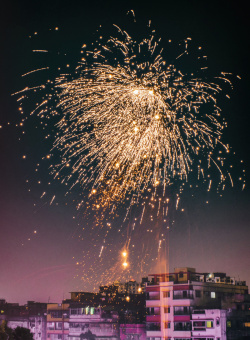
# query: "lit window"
[[213, 295], [209, 324], [166, 309], [166, 294], [167, 324]]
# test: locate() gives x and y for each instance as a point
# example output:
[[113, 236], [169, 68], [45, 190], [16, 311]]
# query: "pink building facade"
[[133, 332]]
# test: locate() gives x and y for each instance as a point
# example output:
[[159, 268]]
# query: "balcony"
[[189, 296], [153, 318], [199, 311], [182, 326], [153, 327], [182, 312], [154, 297], [182, 318]]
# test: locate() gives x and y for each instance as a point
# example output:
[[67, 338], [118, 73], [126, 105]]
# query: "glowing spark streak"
[[159, 206], [222, 176], [159, 246], [231, 179], [177, 203], [102, 247], [143, 210], [209, 186], [40, 51], [52, 200], [33, 71], [28, 89], [38, 107]]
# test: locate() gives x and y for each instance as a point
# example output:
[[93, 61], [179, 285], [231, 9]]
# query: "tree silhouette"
[[6, 333], [88, 335], [21, 333]]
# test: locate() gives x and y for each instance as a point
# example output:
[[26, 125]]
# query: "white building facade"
[[36, 325], [94, 320]]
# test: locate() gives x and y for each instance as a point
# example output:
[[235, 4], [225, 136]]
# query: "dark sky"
[[41, 244]]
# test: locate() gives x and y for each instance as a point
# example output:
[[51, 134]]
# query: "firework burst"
[[132, 126], [129, 120]]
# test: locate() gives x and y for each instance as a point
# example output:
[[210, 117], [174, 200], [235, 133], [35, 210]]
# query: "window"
[[132, 337], [181, 275], [56, 313], [166, 294], [51, 326], [199, 325], [199, 311], [182, 326], [210, 324], [217, 321], [198, 293], [166, 309], [184, 293], [58, 325], [182, 310], [213, 295], [153, 326], [74, 325], [167, 325]]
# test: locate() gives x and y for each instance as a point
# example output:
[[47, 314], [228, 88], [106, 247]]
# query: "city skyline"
[[45, 254]]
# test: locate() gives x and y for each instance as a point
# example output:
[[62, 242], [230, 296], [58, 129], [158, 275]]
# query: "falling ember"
[[125, 264], [101, 251], [52, 200]]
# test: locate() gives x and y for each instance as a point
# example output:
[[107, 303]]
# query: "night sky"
[[44, 253]]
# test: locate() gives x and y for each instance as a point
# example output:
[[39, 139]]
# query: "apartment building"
[[57, 321], [92, 320], [31, 316], [174, 300]]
